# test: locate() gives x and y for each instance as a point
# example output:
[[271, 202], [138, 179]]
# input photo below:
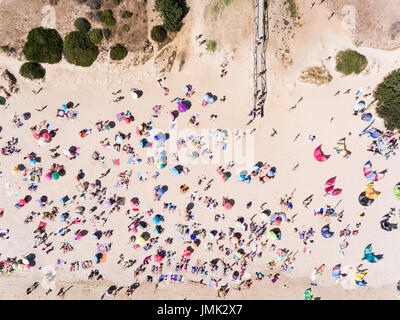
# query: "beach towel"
[[116, 162], [120, 116]]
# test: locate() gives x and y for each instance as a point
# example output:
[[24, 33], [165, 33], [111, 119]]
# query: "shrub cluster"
[[388, 95], [158, 33], [118, 52], [171, 12], [82, 25], [79, 49], [350, 61], [95, 35], [32, 70], [43, 46], [107, 18]]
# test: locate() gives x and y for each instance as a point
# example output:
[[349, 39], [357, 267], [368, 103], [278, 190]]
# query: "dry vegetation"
[[316, 75]]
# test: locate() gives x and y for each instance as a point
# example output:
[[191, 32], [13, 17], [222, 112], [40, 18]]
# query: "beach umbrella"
[[370, 192], [273, 235], [211, 99], [396, 191], [158, 229], [25, 261], [46, 136], [364, 200], [22, 202], [158, 258], [187, 253], [36, 135], [374, 176], [366, 116], [127, 120], [370, 256], [21, 167], [55, 175], [2, 101], [367, 167], [228, 205], [307, 295], [330, 182], [336, 271], [48, 176], [157, 219], [21, 266], [41, 142], [335, 192], [97, 235], [80, 209], [175, 172], [27, 267], [140, 241], [134, 93], [319, 155], [206, 97], [325, 231], [182, 107]]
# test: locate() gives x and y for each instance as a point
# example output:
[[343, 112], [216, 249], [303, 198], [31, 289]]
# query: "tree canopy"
[[79, 49], [388, 95], [43, 46], [171, 12], [32, 70]]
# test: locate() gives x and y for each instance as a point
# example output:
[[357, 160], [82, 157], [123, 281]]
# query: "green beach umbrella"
[[55, 175], [396, 191]]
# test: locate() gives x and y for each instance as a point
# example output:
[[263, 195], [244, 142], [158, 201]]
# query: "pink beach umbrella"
[[48, 176], [182, 107]]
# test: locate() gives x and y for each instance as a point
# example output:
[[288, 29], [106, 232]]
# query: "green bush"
[[125, 14], [158, 33], [117, 2], [171, 12], [43, 46], [349, 61], [106, 33], [107, 18], [79, 50], [211, 45], [118, 52], [32, 70], [82, 25], [95, 35], [388, 95]]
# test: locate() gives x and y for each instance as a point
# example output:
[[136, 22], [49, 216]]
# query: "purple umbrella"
[[182, 107]]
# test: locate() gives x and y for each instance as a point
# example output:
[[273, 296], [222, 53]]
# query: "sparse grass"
[[292, 8], [211, 45], [350, 61], [215, 9]]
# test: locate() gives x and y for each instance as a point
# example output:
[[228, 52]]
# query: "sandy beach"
[[304, 116]]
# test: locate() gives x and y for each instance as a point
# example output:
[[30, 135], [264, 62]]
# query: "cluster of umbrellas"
[[43, 136]]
